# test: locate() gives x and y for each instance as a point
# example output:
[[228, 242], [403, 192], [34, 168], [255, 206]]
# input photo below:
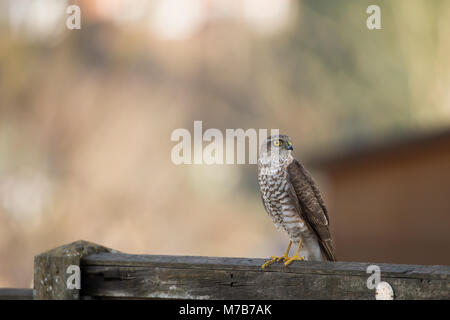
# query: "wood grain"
[[16, 294], [50, 270], [119, 275]]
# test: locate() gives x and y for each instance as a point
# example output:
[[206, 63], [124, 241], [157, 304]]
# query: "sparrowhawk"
[[293, 202]]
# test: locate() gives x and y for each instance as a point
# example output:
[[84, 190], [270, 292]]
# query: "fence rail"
[[16, 294], [108, 274]]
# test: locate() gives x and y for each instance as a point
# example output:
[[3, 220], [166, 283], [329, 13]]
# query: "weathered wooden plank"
[[50, 269], [123, 259], [16, 294], [177, 277]]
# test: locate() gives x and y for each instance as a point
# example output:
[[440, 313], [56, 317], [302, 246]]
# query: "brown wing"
[[312, 207]]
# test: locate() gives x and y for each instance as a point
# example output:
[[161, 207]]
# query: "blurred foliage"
[[87, 117]]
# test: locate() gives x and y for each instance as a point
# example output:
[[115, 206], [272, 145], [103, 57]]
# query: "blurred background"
[[86, 117]]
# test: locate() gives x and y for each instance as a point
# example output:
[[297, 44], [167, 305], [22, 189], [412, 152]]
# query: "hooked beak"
[[290, 147]]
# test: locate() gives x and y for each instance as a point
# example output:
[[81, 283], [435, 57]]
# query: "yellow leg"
[[296, 256], [284, 257]]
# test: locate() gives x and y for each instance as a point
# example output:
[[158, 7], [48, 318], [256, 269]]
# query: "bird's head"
[[277, 144]]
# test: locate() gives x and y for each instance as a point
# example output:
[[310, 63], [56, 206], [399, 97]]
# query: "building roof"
[[404, 145]]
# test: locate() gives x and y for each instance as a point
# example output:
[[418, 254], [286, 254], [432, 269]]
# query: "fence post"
[[51, 270]]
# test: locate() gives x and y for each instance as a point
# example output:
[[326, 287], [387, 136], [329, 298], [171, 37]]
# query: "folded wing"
[[311, 206]]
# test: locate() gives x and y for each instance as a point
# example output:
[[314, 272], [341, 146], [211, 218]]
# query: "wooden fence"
[[107, 274]]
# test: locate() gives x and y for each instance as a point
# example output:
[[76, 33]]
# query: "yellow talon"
[[295, 257], [284, 257], [272, 260]]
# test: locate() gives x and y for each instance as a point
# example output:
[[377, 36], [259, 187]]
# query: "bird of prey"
[[293, 202]]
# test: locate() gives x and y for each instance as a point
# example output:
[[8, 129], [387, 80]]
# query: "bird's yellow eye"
[[277, 143]]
